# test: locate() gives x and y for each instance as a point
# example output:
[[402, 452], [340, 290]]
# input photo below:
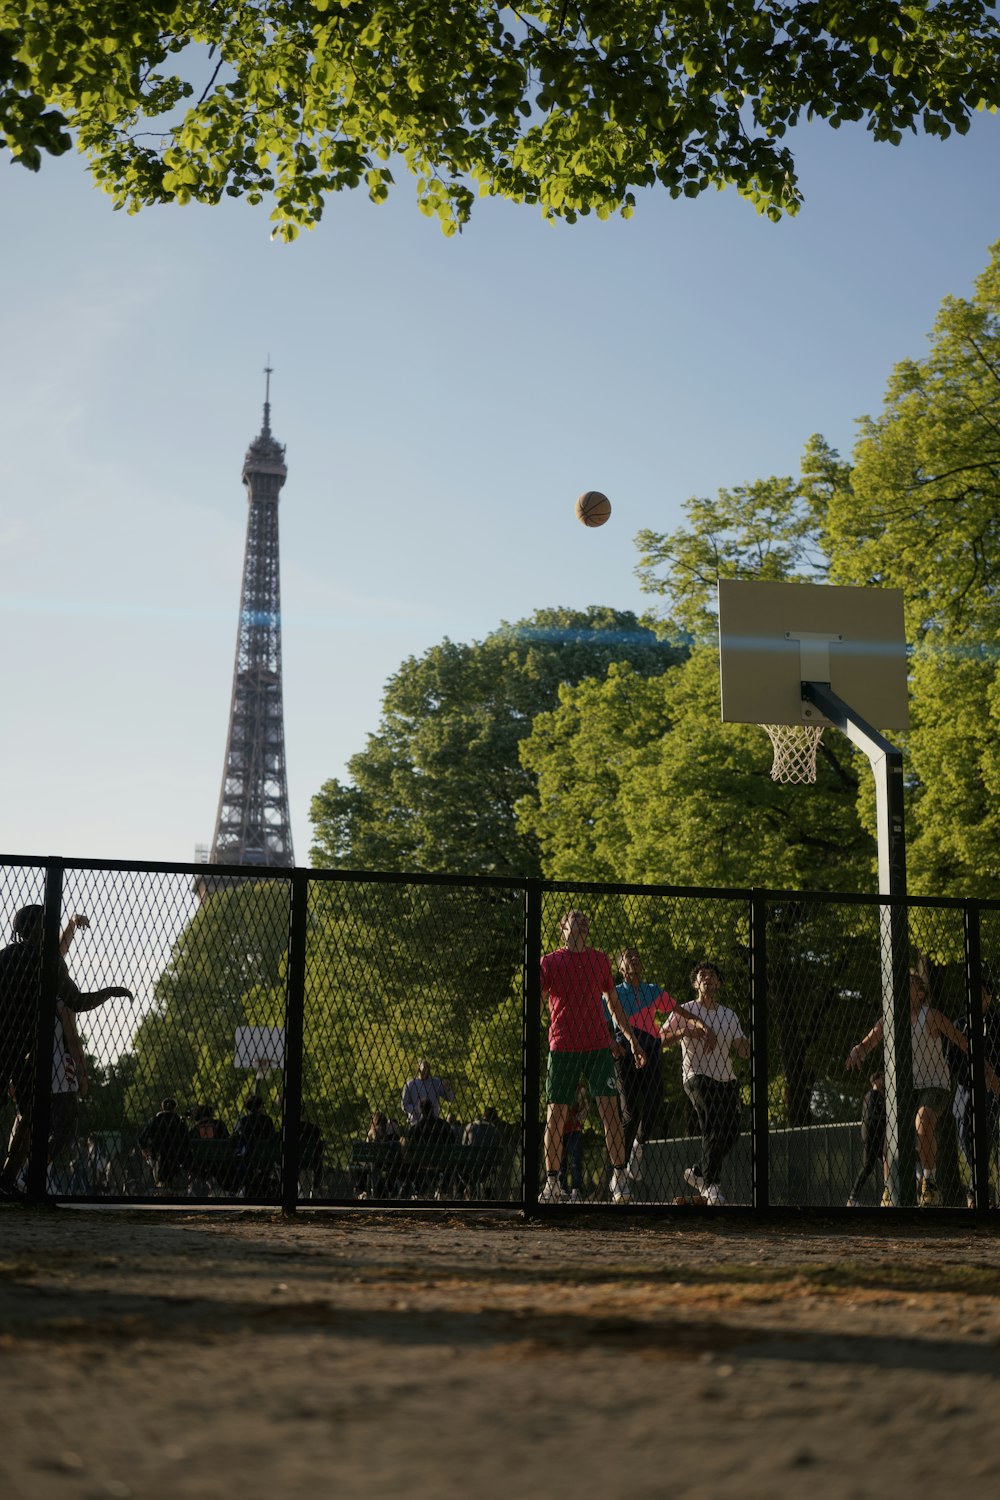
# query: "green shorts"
[[565, 1069]]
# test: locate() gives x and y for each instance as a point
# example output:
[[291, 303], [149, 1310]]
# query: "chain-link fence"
[[201, 1033]]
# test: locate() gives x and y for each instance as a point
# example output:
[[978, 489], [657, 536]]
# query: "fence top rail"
[[264, 872], [873, 898], [623, 888], [420, 877], [519, 883]]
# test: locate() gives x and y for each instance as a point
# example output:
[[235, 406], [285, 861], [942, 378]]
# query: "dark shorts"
[[565, 1070]]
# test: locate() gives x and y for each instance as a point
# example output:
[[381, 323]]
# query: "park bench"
[[376, 1168], [390, 1169], [217, 1162]]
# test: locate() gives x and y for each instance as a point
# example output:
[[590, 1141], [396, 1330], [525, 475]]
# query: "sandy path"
[[192, 1355]]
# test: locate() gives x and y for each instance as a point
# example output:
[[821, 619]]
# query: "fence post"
[[530, 1077], [759, 1069], [977, 1056], [41, 1094], [294, 1040]]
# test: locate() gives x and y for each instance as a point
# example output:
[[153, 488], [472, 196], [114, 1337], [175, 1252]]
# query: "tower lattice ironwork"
[[253, 825]]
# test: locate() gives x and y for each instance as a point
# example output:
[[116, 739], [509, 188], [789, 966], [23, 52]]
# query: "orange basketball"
[[593, 508]]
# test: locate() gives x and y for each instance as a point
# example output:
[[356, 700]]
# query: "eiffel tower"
[[253, 825]]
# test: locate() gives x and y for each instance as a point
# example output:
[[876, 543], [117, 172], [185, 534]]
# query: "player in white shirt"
[[709, 1080]]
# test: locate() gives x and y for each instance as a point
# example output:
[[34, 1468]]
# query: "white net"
[[795, 747]]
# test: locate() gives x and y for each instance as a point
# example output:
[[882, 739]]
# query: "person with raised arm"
[[929, 1028]]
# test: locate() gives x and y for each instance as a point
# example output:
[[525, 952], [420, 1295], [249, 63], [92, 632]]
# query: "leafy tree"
[[435, 788], [637, 782], [225, 971], [398, 971], [920, 510], [578, 754], [107, 1092], [572, 108]]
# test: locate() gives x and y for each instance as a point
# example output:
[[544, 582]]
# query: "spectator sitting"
[[484, 1130], [253, 1134], [311, 1147], [213, 1165], [382, 1128], [202, 1123], [429, 1131], [165, 1144], [483, 1140], [383, 1181]]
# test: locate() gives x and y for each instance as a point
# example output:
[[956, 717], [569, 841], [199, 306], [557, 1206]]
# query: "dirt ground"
[[198, 1355]]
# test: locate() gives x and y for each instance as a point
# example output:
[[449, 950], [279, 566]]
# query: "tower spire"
[[253, 826]]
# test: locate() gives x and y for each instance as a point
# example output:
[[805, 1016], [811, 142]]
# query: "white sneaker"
[[929, 1195], [634, 1167], [575, 1196], [619, 1186], [694, 1179], [852, 1202], [552, 1192], [713, 1194]]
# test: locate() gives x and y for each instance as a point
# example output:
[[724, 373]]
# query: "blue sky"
[[442, 401]]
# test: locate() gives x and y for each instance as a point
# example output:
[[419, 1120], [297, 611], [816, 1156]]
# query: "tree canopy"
[[919, 509], [435, 788], [572, 108]]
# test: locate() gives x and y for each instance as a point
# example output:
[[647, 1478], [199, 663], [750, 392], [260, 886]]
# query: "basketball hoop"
[[795, 748]]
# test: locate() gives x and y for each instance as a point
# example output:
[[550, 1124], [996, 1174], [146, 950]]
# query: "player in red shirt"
[[577, 982]]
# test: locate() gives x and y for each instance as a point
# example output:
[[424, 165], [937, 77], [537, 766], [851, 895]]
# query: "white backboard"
[[774, 636], [259, 1048]]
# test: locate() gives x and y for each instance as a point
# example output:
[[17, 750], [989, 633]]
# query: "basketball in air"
[[593, 508]]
